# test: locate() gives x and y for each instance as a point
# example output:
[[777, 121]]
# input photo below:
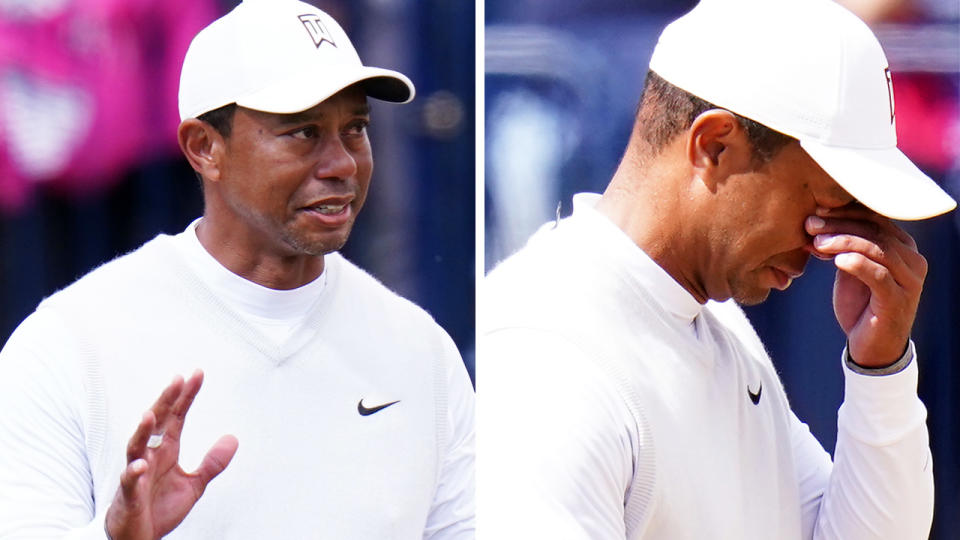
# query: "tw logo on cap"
[[315, 27]]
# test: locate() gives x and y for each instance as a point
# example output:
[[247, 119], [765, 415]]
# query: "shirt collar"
[[244, 295], [638, 266]]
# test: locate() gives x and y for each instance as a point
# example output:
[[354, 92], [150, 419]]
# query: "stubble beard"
[[748, 293], [315, 247]]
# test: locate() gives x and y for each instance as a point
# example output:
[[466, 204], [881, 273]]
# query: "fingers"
[[171, 407], [137, 445], [882, 242], [216, 460], [883, 259], [873, 274], [160, 411], [130, 475], [190, 389], [166, 416], [131, 501], [879, 230], [161, 408], [858, 212], [172, 425]]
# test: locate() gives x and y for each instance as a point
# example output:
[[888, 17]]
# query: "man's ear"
[[717, 147], [203, 146]]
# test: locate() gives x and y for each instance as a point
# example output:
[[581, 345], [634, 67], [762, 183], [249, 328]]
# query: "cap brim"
[[884, 180], [388, 85], [311, 87]]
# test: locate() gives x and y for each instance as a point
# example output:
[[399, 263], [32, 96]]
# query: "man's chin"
[[752, 296], [318, 245]]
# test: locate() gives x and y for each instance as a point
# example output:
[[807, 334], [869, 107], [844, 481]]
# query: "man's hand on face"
[[155, 494], [879, 279]]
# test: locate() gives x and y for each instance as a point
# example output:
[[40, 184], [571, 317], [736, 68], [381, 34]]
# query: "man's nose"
[[336, 161]]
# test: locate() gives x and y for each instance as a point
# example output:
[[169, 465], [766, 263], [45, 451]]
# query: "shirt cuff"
[[881, 410], [895, 367]]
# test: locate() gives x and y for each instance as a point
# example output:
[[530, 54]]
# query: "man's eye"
[[307, 132], [357, 128]]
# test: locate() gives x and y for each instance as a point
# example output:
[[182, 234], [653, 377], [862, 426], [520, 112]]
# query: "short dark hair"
[[221, 119], [665, 111]]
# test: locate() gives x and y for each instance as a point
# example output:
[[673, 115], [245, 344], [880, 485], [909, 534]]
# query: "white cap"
[[278, 56], [812, 70]]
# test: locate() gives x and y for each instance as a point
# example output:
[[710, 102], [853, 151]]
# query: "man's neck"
[[235, 250], [654, 220]]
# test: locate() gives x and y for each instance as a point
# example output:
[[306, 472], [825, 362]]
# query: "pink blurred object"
[[928, 120], [88, 88]]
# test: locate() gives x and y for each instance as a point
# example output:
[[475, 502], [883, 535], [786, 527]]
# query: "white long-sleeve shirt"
[[612, 405], [77, 375]]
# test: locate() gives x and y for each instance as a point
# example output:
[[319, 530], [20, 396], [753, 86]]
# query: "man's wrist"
[[890, 369]]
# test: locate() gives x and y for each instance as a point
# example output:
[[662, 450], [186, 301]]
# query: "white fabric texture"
[[80, 371], [612, 405], [274, 313]]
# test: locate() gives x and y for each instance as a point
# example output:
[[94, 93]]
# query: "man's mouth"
[[329, 206], [790, 272], [328, 209], [782, 280], [784, 275]]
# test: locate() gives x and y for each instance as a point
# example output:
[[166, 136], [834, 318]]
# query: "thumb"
[[216, 460]]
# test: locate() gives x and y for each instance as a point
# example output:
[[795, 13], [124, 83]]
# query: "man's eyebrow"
[[307, 116], [301, 117]]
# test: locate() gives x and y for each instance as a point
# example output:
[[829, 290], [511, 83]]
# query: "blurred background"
[[563, 78], [90, 168]]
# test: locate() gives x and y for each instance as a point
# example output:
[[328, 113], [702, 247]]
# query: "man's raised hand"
[[879, 280], [155, 494]]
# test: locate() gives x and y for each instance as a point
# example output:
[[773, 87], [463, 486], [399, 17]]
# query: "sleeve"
[[880, 485], [556, 445], [452, 514], [46, 487]]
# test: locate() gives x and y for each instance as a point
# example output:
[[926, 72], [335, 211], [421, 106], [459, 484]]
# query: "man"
[[623, 396], [349, 410]]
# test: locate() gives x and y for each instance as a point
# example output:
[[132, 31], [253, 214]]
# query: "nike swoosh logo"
[[755, 398], [365, 411]]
